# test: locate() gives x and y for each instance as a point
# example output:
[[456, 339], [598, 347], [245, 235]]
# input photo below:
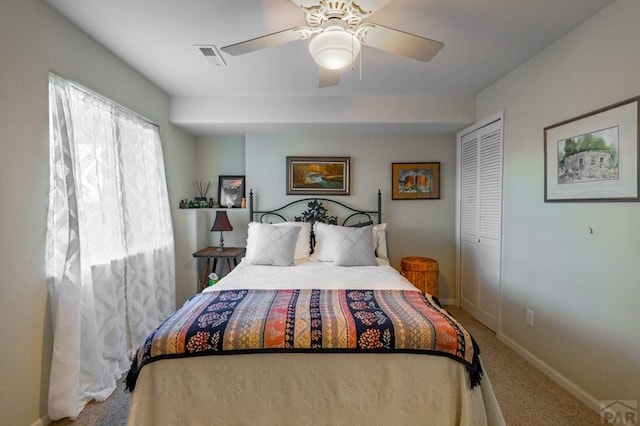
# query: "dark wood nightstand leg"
[[205, 272], [215, 265]]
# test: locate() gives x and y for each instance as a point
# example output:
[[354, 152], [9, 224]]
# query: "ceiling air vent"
[[210, 54]]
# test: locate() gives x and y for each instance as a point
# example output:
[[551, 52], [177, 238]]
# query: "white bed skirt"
[[311, 389]]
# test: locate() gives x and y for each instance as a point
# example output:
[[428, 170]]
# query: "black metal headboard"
[[317, 212]]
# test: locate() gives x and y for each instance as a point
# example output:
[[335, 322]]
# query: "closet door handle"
[[478, 240]]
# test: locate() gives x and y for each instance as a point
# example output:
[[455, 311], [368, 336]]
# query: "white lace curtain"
[[110, 249]]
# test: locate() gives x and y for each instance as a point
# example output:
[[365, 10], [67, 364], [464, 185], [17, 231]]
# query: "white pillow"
[[380, 240], [275, 245], [353, 246], [303, 243], [322, 250]]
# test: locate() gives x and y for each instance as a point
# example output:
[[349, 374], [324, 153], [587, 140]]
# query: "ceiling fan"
[[337, 31]]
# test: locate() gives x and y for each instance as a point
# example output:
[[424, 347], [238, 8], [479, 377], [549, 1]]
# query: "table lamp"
[[221, 223]]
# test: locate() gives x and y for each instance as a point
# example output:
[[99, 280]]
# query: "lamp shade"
[[221, 222], [334, 49]]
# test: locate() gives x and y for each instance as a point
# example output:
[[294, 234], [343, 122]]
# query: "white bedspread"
[[311, 274]]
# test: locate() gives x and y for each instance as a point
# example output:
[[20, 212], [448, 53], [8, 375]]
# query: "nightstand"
[[209, 253], [422, 272]]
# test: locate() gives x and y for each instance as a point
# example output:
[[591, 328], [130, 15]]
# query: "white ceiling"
[[484, 40]]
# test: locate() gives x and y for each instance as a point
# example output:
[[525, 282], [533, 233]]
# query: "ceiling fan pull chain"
[[352, 58]]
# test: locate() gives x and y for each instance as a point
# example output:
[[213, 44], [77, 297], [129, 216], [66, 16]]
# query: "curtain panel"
[[110, 254]]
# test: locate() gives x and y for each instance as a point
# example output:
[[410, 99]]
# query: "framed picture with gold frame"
[[415, 181]]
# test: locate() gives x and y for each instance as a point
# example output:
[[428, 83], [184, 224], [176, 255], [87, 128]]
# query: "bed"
[[313, 327]]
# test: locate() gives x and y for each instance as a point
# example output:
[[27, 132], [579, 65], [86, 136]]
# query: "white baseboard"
[[42, 421], [575, 390]]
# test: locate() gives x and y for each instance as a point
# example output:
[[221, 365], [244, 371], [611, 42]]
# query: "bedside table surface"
[[214, 252]]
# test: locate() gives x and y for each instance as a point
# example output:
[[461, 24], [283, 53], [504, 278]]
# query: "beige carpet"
[[526, 396]]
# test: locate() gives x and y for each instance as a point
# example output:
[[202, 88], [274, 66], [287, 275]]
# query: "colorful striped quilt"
[[306, 320]]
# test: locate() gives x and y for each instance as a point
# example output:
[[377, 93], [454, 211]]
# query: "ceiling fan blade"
[[275, 39], [370, 5], [328, 77], [399, 42]]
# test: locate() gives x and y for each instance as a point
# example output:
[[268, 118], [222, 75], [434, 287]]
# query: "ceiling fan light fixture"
[[334, 49]]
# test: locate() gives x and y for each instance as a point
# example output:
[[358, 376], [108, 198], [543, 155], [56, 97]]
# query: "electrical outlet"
[[530, 317]]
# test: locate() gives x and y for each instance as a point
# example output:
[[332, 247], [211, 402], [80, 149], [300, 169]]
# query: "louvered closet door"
[[480, 210]]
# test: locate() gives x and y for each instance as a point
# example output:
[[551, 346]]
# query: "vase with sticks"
[[202, 188]]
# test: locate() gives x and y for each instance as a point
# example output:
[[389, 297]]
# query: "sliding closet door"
[[480, 219]]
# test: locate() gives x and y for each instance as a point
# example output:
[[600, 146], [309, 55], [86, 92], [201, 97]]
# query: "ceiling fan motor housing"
[[346, 11]]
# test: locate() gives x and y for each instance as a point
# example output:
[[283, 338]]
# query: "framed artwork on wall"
[[415, 181], [593, 157], [318, 175], [230, 191]]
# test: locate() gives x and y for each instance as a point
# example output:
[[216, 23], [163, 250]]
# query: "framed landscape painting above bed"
[[318, 175]]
